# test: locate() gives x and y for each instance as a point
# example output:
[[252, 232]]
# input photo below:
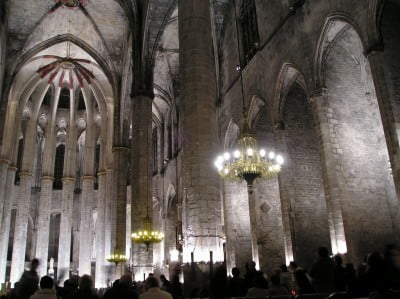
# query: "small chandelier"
[[147, 235], [117, 257], [248, 162]]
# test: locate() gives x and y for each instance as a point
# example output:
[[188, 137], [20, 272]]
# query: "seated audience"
[[260, 288], [122, 290], [153, 290], [323, 272], [340, 275], [46, 289], [85, 289], [276, 289], [236, 285]]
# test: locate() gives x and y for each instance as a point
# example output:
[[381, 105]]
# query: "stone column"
[[5, 223], [43, 223], [100, 231], [239, 235], [3, 183], [321, 114], [284, 190], [64, 247], [85, 243], [201, 206], [120, 155], [24, 197], [141, 183], [46, 192], [21, 226], [375, 58], [67, 195], [109, 219]]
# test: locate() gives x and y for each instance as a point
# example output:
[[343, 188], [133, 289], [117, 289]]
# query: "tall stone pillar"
[[100, 231], [141, 183], [3, 183], [6, 221], [24, 198], [21, 226], [46, 192], [201, 201], [239, 237], [321, 113], [375, 58], [85, 243], [43, 223], [120, 155], [109, 219], [284, 190], [67, 198], [64, 247]]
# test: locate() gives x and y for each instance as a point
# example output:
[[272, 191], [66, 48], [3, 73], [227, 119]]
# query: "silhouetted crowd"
[[378, 274]]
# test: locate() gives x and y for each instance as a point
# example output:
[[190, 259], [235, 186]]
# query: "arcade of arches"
[[113, 108]]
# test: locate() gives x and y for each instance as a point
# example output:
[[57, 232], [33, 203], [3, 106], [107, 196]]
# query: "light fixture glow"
[[279, 159], [271, 155], [227, 156]]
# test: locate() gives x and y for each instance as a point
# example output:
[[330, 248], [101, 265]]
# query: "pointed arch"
[[231, 135], [334, 26], [288, 74], [257, 104]]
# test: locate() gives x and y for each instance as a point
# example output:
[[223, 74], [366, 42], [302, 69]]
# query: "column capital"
[[142, 92], [12, 168], [88, 177], [119, 149], [47, 178], [4, 161], [374, 49], [101, 173], [68, 179], [279, 125], [25, 173], [317, 93]]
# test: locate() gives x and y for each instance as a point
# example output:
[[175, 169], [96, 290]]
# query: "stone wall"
[[304, 178]]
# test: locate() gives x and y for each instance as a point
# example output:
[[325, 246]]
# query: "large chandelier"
[[147, 235], [248, 162], [117, 257]]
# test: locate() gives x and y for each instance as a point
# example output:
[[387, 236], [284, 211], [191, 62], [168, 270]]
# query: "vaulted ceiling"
[[101, 29]]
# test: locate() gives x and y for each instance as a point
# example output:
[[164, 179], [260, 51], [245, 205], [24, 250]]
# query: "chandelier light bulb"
[[236, 154], [279, 159], [226, 171], [227, 156], [249, 152], [271, 155], [262, 153]]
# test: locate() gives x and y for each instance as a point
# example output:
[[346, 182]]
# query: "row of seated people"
[[377, 275]]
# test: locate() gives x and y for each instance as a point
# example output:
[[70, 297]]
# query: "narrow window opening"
[[59, 167], [19, 160], [63, 102], [155, 150]]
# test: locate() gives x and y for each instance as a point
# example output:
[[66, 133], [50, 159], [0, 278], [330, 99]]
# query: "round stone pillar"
[[201, 200], [5, 223]]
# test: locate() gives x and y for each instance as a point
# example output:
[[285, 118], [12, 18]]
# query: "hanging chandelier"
[[248, 162], [147, 235], [117, 257]]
